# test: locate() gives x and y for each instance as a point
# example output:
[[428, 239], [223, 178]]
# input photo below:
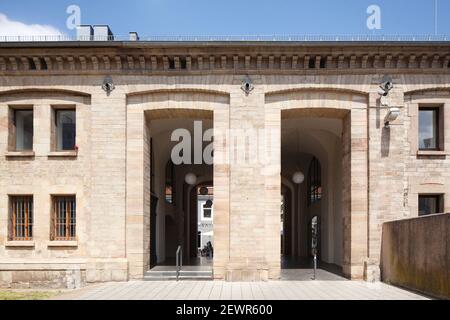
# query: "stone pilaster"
[[355, 197]]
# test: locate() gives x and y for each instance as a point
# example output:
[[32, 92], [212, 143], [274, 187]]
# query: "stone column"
[[106, 247], [272, 191], [355, 192], [221, 193], [254, 189], [387, 153], [137, 208]]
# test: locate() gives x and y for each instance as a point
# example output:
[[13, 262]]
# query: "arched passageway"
[[181, 207], [312, 148]]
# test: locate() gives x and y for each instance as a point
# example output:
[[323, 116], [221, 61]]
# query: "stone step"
[[184, 275], [174, 278]]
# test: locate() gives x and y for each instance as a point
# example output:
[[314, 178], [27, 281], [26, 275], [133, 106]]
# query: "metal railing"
[[235, 38], [179, 261]]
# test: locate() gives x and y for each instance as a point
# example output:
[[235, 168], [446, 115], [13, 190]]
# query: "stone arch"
[[351, 108], [319, 90], [436, 90], [178, 99], [322, 100], [143, 106], [46, 94]]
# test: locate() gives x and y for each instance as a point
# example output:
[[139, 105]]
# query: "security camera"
[[392, 115], [387, 84]]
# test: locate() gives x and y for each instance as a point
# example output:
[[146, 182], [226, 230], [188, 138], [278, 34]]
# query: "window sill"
[[63, 244], [20, 244], [63, 154], [20, 154], [432, 153]]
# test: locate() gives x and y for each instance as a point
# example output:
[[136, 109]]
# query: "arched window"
[[314, 182], [170, 183]]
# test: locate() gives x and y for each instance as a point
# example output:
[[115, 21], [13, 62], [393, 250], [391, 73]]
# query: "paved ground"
[[327, 287]]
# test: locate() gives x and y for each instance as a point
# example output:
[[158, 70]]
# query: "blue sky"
[[233, 17]]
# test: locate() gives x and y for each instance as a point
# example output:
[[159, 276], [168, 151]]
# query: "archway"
[[312, 146], [322, 110], [173, 138], [168, 105]]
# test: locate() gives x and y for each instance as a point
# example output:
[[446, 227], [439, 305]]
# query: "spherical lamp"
[[298, 178], [191, 179]]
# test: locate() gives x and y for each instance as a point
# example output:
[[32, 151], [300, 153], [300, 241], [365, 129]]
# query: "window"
[[429, 123], [65, 127], [21, 218], [207, 210], [431, 204], [314, 182], [64, 218], [170, 183], [21, 130]]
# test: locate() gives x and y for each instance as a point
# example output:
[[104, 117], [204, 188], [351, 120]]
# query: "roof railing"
[[233, 38]]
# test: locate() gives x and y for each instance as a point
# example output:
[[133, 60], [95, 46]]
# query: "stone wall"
[[99, 247], [416, 254], [382, 170]]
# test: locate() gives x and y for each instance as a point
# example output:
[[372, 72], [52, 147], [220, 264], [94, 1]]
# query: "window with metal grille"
[[64, 218], [314, 182], [21, 218]]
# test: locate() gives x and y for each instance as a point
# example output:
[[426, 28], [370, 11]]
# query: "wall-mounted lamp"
[[387, 84], [392, 115], [108, 85], [247, 85]]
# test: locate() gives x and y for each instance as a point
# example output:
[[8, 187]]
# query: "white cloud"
[[16, 28]]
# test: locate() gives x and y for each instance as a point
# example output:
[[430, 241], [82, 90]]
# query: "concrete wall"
[[416, 254]]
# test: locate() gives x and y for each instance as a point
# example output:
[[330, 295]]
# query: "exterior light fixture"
[[298, 177], [247, 85], [387, 84], [191, 179], [108, 85], [392, 115]]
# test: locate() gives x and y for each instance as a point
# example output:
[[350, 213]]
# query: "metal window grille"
[[21, 218], [314, 182], [64, 219]]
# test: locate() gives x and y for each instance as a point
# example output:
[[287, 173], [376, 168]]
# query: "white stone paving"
[[327, 287]]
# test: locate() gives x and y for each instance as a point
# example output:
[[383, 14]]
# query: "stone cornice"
[[167, 58]]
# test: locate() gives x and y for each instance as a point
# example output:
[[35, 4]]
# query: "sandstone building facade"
[[85, 200]]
